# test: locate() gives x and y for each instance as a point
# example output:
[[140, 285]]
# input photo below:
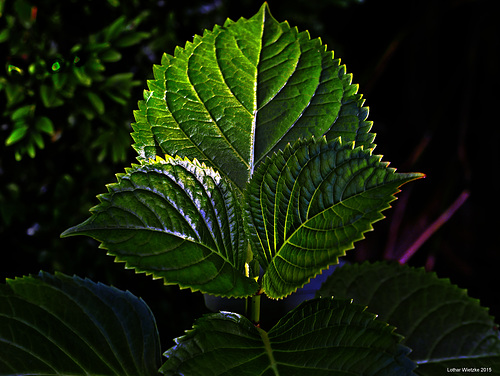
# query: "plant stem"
[[443, 218], [255, 309]]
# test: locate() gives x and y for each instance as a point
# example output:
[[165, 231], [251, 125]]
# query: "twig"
[[443, 218]]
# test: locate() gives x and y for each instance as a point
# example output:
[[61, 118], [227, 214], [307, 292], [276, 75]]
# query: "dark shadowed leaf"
[[319, 337], [60, 325], [444, 327]]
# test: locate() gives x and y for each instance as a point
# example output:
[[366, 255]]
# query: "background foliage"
[[424, 67]]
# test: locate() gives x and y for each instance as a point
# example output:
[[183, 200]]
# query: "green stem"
[[252, 304], [255, 309]]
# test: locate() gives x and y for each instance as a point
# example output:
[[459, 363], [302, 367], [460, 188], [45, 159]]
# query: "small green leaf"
[[177, 220], [97, 47], [319, 337], [23, 112], [130, 38], [120, 83], [59, 80], [15, 94], [17, 133], [97, 102], [442, 325], [30, 148], [110, 56], [50, 97], [115, 29], [308, 204], [82, 76], [44, 124], [61, 325], [38, 139]]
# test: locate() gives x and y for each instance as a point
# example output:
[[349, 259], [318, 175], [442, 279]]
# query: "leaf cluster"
[[256, 173], [51, 76]]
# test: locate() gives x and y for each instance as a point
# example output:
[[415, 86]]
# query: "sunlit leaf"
[[242, 91], [177, 220], [310, 203]]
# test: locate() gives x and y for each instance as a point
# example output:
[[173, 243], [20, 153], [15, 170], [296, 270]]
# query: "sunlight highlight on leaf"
[[310, 203]]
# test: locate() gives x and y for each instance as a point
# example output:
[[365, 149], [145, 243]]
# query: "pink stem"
[[443, 218]]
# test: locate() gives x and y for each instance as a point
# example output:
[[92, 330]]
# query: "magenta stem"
[[443, 218]]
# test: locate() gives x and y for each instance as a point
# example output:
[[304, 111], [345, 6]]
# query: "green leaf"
[[23, 112], [50, 97], [110, 56], [442, 325], [320, 337], [82, 76], [309, 203], [114, 30], [17, 134], [44, 124], [97, 102], [130, 38], [177, 220], [71, 326], [242, 91]]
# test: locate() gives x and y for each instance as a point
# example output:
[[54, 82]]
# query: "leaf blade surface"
[[320, 337], [308, 204], [442, 325], [67, 325], [242, 91], [177, 220]]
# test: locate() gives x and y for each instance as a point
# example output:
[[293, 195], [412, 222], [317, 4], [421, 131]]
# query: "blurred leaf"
[[319, 337], [15, 94], [110, 56], [30, 148], [119, 81], [119, 87], [59, 80], [115, 29], [95, 66], [82, 76], [130, 39], [4, 35], [97, 47], [38, 139], [23, 11], [50, 97], [22, 112], [72, 326], [96, 102], [19, 131], [44, 124]]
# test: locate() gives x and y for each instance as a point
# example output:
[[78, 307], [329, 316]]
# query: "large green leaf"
[[320, 337], [60, 325], [243, 90], [309, 203], [443, 326], [177, 220]]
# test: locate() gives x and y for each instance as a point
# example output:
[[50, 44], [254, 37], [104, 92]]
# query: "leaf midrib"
[[268, 349]]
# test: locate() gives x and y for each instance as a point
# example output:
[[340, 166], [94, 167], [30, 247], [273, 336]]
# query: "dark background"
[[428, 71]]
